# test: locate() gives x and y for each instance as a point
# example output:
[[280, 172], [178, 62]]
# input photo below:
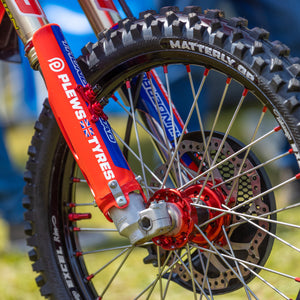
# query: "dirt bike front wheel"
[[236, 158]]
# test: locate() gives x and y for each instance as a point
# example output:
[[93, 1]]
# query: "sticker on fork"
[[105, 5], [29, 7]]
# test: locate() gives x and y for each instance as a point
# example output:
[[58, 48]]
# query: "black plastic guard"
[[9, 45]]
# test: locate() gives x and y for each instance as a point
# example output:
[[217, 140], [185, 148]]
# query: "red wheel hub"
[[185, 215]]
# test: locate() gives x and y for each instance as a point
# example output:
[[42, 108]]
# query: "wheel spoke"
[[191, 271], [246, 287], [266, 282], [297, 177], [235, 182], [188, 69], [223, 259], [247, 217], [151, 286], [199, 115], [168, 284], [159, 271], [139, 160], [205, 154], [167, 144], [205, 275], [173, 123], [164, 147], [91, 276], [95, 230], [244, 94], [249, 171], [81, 204], [128, 86], [245, 262], [129, 251], [274, 212], [185, 125], [79, 253], [268, 232], [228, 158]]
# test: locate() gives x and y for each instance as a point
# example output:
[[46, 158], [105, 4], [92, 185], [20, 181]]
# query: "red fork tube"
[[92, 143]]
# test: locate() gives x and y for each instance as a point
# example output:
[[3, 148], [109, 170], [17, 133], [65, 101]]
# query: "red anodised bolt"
[[76, 217], [90, 277], [78, 253]]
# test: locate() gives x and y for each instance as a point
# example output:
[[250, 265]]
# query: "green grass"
[[17, 278]]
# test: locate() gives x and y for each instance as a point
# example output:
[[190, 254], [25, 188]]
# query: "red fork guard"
[[190, 215]]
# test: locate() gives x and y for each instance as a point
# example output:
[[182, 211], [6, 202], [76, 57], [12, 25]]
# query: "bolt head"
[[121, 201], [146, 223], [112, 184]]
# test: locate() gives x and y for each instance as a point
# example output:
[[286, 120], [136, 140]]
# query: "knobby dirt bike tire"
[[208, 40]]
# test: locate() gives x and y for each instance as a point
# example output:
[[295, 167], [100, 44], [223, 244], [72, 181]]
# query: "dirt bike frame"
[[80, 116]]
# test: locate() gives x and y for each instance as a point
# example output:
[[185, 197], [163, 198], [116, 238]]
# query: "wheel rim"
[[175, 266]]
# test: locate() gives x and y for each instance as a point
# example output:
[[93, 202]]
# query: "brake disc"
[[242, 179]]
